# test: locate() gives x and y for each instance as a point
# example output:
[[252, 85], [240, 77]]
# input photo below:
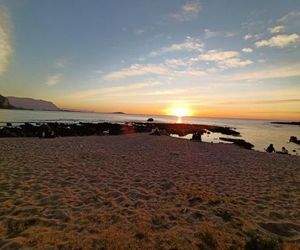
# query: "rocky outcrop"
[[85, 129], [294, 139], [4, 103], [240, 142]]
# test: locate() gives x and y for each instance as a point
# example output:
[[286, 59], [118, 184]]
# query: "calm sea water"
[[259, 132]]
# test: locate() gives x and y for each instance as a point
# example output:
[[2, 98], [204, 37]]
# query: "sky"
[[213, 58]]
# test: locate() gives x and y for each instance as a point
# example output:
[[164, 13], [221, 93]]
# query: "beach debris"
[[294, 139], [240, 142]]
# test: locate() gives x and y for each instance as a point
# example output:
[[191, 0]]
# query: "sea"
[[260, 133]]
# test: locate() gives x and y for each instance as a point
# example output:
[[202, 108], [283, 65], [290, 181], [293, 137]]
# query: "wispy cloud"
[[54, 79], [248, 36], [279, 41], [140, 31], [247, 50], [136, 70], [224, 59], [189, 44], [168, 68], [288, 17], [61, 63], [5, 41], [210, 33], [188, 11], [218, 55], [276, 29], [247, 102], [114, 89], [271, 73]]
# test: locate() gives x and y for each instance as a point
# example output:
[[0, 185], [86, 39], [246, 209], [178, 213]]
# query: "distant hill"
[[4, 103], [33, 104]]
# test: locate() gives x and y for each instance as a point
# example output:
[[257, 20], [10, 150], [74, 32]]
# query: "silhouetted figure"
[[270, 149], [196, 136], [155, 131], [284, 150]]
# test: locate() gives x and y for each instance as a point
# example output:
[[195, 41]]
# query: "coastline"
[[136, 190]]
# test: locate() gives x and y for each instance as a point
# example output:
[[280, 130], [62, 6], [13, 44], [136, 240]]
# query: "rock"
[[294, 140], [240, 142], [196, 137], [150, 120], [8, 124]]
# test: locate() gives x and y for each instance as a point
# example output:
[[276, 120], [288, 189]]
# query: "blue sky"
[[216, 58]]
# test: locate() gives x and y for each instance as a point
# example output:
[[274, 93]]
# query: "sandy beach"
[[144, 192]]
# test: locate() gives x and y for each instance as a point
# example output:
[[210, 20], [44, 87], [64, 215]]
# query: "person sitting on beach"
[[155, 131], [270, 149], [284, 150], [196, 136]]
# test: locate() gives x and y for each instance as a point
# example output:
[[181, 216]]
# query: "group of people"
[[271, 149]]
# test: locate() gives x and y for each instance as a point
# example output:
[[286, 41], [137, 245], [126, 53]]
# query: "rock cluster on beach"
[[240, 142], [87, 129]]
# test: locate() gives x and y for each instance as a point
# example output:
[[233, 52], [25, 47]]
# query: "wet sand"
[[144, 192]]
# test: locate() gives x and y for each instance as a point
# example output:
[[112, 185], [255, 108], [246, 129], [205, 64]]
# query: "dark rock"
[[294, 139], [196, 137], [240, 142], [8, 124], [287, 123], [150, 120]]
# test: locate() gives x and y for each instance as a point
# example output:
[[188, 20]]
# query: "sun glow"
[[179, 111]]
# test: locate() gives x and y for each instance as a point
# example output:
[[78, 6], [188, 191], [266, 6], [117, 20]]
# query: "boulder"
[[294, 140]]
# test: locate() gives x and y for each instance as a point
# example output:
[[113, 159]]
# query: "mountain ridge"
[[12, 102]]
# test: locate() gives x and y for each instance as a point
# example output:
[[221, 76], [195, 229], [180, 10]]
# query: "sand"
[[144, 192]]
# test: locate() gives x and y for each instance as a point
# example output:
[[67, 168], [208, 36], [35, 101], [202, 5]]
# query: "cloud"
[[189, 44], [139, 31], [277, 101], [61, 63], [273, 73], [54, 79], [247, 50], [136, 70], [223, 59], [290, 16], [230, 34], [175, 63], [168, 68], [188, 11], [234, 63], [114, 90], [217, 55], [276, 29], [5, 42], [248, 36], [279, 41], [210, 34]]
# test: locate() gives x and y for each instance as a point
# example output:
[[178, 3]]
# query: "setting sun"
[[179, 112]]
